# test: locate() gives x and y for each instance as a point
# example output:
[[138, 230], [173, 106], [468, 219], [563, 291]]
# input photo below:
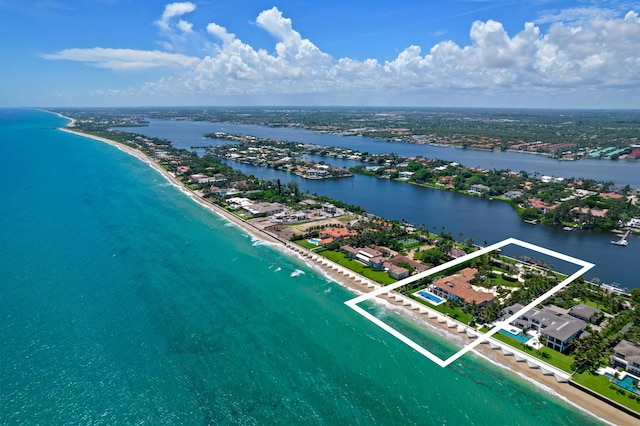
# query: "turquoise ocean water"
[[124, 302]]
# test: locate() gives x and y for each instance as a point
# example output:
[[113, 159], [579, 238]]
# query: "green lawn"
[[510, 260], [596, 305], [548, 355], [378, 276], [306, 244], [500, 281], [601, 385], [453, 311]]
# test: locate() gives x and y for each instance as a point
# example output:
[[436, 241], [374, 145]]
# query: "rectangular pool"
[[519, 336], [430, 297]]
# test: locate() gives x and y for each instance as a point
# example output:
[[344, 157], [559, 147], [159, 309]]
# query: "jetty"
[[623, 240]]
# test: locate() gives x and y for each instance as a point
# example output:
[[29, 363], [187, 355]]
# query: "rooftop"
[[460, 286]]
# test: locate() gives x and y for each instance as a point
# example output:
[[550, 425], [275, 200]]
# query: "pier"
[[623, 240]]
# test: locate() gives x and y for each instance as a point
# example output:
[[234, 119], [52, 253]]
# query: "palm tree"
[[542, 340]]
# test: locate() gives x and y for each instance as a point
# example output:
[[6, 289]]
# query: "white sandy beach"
[[565, 391]]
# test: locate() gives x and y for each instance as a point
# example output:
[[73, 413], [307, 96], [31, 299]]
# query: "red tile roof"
[[336, 233], [537, 203], [460, 285]]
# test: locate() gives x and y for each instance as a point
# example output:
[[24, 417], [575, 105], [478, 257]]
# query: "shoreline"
[[357, 284]]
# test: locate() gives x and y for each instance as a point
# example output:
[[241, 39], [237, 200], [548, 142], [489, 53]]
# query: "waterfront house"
[[419, 267], [458, 289], [592, 211], [397, 272], [585, 313], [239, 202], [201, 178], [626, 355], [445, 180], [316, 173], [335, 233], [363, 255], [386, 251], [634, 223], [264, 209], [635, 154], [405, 175], [456, 252], [329, 208], [223, 192], [559, 330], [480, 188], [219, 178], [377, 262], [326, 241], [352, 252], [513, 194], [611, 195], [537, 203]]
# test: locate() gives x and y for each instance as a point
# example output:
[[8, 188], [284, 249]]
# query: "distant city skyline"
[[462, 53]]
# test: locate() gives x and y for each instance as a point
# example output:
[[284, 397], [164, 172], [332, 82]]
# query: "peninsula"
[[571, 203]]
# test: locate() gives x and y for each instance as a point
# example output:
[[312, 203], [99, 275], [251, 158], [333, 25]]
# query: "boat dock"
[[623, 240]]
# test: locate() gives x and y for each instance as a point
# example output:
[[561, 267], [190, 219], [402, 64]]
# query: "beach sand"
[[354, 282]]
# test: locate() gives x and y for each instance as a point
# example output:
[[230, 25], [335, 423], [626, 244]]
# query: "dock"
[[623, 240]]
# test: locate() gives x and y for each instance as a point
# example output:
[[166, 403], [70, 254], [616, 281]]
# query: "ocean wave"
[[296, 273], [255, 241], [538, 385], [419, 320]]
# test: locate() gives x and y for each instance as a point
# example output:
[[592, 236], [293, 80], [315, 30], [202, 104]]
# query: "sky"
[[420, 53]]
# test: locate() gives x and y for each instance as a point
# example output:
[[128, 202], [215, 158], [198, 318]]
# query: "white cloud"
[[291, 45], [605, 52], [601, 53], [632, 16], [123, 59], [184, 26], [221, 33], [575, 15], [175, 32], [173, 10]]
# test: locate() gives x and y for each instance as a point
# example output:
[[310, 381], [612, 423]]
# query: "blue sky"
[[479, 53]]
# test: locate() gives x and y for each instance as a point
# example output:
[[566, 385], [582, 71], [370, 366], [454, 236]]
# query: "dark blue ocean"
[[122, 301]]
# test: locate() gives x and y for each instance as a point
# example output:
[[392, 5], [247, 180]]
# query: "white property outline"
[[482, 337]]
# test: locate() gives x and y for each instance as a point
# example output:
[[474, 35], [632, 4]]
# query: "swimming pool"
[[315, 241], [626, 383], [524, 338], [430, 297]]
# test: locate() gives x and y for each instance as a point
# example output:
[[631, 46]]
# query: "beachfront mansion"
[[559, 329]]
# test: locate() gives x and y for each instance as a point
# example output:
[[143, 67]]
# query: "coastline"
[[353, 282]]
